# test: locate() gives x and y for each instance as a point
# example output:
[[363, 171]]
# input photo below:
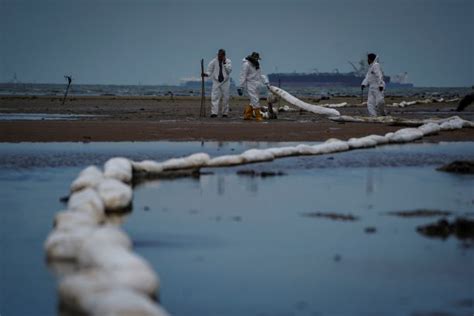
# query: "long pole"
[[203, 107], [69, 79]]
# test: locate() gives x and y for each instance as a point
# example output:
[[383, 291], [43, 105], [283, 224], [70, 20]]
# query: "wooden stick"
[[69, 79], [203, 105]]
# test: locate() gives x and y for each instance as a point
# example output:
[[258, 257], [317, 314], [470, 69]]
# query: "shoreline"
[[163, 119], [113, 131]]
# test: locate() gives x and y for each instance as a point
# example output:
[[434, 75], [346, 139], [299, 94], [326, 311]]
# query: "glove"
[[380, 89], [204, 74], [239, 91], [362, 87]]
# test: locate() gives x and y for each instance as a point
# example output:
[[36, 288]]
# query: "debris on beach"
[[459, 166], [332, 216], [420, 213], [461, 228], [286, 108]]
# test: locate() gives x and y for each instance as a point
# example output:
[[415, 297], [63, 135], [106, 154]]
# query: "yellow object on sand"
[[258, 115], [248, 112]]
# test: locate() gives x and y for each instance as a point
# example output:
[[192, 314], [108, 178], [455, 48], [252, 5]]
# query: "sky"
[[163, 41]]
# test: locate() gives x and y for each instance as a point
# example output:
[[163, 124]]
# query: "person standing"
[[374, 80], [251, 79], [219, 70]]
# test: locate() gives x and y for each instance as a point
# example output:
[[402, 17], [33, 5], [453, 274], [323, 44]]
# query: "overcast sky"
[[162, 41]]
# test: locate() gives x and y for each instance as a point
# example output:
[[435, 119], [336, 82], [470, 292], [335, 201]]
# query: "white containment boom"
[[303, 105]]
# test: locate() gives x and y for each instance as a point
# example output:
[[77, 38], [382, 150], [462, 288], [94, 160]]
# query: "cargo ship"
[[334, 79]]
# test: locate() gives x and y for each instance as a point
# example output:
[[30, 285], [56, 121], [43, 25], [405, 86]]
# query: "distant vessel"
[[400, 81], [14, 79], [334, 79]]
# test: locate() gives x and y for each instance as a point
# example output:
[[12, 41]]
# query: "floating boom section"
[[303, 105]]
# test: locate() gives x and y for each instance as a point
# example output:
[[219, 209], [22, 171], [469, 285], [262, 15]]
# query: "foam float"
[[303, 105], [88, 178], [118, 168]]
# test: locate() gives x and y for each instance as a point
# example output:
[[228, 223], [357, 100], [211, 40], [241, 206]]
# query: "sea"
[[42, 89]]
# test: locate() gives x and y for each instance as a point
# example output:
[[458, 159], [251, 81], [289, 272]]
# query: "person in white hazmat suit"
[[251, 79], [374, 80], [219, 70]]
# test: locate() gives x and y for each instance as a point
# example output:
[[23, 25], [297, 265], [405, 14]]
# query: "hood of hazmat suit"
[[251, 76], [374, 76], [213, 69]]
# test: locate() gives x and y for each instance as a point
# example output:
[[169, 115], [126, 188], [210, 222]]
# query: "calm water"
[[226, 244], [161, 90]]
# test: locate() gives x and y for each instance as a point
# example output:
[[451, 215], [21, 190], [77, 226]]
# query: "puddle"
[[43, 117], [227, 244]]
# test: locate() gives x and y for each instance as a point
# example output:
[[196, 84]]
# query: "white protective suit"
[[220, 90], [252, 79], [374, 80]]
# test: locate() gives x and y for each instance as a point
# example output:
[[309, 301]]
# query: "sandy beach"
[[115, 118]]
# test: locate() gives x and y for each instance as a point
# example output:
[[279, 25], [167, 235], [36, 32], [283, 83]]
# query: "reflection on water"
[[225, 244], [263, 249], [220, 185]]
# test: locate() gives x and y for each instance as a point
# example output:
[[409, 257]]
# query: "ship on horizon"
[[335, 78]]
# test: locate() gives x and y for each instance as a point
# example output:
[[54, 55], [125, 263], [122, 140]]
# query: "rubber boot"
[[258, 115], [248, 113]]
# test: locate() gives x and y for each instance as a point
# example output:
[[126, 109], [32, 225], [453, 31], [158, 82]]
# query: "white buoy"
[[455, 123], [123, 266], [429, 129], [94, 292], [304, 149], [193, 161], [227, 160], [65, 245], [287, 151], [79, 291], [257, 155], [108, 235], [332, 145], [87, 201], [148, 166], [87, 178], [68, 220], [123, 301], [405, 135], [335, 105], [118, 168], [115, 194], [367, 141]]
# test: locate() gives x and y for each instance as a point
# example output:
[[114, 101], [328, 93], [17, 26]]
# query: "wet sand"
[[116, 118]]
